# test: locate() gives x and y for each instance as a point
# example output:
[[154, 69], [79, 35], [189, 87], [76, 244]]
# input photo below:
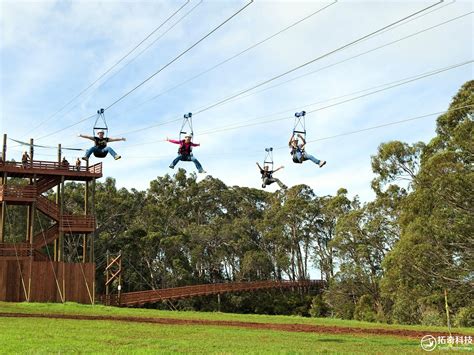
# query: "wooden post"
[[91, 251], [58, 191], [4, 154], [4, 183], [86, 210], [120, 278], [61, 212], [2, 224], [218, 302], [107, 277], [32, 151]]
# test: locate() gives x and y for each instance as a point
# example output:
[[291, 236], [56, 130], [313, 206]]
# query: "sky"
[[50, 51]]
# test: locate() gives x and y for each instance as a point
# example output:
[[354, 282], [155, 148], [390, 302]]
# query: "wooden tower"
[[35, 269]]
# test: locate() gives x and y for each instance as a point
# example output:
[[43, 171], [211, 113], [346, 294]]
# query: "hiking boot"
[[322, 163], [117, 157]]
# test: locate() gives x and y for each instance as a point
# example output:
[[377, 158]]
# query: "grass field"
[[42, 335]]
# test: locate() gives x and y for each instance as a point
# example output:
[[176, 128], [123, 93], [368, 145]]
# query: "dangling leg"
[[198, 164], [282, 185], [89, 152], [112, 152], [175, 161], [307, 156]]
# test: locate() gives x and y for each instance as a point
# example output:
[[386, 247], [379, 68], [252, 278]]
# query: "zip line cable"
[[42, 146], [112, 67], [350, 58], [152, 43], [236, 55], [67, 127], [253, 46], [391, 86], [385, 86], [179, 56], [154, 74], [309, 73], [279, 84], [333, 136], [386, 28], [314, 60]]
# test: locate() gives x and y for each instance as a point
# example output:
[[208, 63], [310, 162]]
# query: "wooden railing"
[[17, 193], [95, 169], [48, 207], [45, 237], [142, 297], [16, 250], [46, 183], [74, 223]]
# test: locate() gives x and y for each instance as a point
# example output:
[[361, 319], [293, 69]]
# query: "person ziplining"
[[267, 170], [100, 148], [297, 150], [267, 176], [185, 150]]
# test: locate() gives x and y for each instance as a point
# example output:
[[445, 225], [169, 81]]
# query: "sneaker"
[[171, 166], [263, 185], [85, 158], [117, 157], [322, 163], [284, 187], [203, 172]]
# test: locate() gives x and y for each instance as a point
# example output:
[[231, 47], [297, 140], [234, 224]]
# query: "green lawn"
[[73, 308], [36, 335], [40, 335]]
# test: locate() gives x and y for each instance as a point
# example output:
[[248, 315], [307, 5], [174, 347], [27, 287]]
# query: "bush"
[[364, 309], [318, 307], [464, 317], [432, 317], [405, 310]]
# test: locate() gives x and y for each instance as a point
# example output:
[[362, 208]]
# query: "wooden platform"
[[50, 168]]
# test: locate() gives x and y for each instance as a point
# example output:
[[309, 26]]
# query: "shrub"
[[432, 317], [318, 307], [364, 309], [464, 317]]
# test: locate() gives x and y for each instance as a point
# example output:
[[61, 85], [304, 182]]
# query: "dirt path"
[[307, 328]]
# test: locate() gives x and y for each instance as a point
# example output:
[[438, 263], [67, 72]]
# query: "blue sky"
[[52, 50]]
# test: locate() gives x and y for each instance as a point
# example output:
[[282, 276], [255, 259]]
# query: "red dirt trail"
[[305, 328]]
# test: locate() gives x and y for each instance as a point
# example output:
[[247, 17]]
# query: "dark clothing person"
[[100, 148], [24, 159], [268, 179]]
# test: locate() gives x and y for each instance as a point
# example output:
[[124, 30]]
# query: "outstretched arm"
[[86, 137], [117, 139], [259, 166], [173, 141], [281, 167]]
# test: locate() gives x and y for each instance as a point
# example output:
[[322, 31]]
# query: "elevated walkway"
[[142, 297]]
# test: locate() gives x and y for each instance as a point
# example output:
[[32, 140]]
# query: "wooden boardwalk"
[[151, 296]]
